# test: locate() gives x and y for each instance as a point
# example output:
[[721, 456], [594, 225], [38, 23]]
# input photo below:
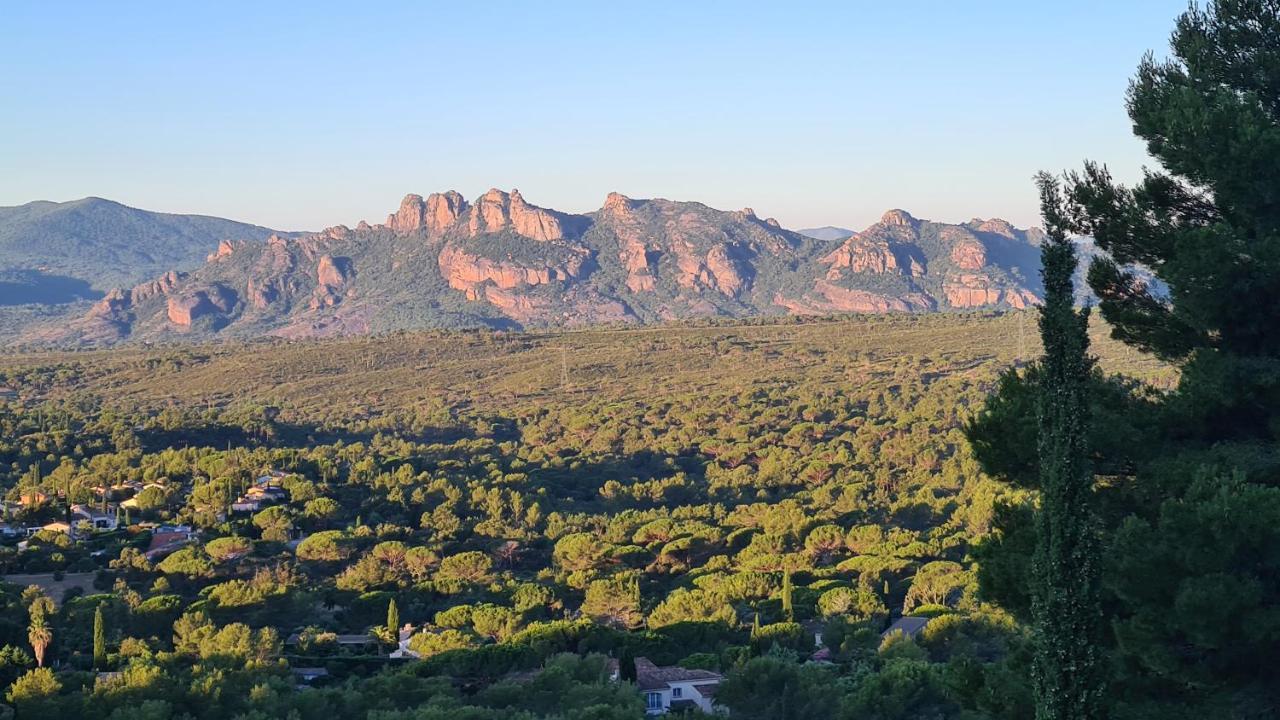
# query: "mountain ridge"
[[500, 261]]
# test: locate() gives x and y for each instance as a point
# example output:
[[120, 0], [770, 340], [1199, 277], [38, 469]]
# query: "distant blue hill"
[[827, 232], [104, 244]]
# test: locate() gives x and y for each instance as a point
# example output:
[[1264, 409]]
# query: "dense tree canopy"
[[1189, 499]]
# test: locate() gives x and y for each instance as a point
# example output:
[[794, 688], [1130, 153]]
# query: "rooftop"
[[652, 677], [909, 626]]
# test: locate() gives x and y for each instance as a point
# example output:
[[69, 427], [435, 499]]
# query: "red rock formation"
[[331, 280], [114, 302], [897, 217], [225, 248], [443, 211], [835, 299], [995, 226], [330, 273], [533, 222], [162, 285], [861, 254], [496, 210], [185, 308], [619, 215], [465, 271], [722, 272], [410, 216], [436, 214], [586, 307], [971, 290], [337, 232], [261, 294], [967, 251]]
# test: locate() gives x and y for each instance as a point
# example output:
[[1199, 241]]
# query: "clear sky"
[[302, 115]]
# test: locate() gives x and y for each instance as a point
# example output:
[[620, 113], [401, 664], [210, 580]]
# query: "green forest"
[[533, 505]]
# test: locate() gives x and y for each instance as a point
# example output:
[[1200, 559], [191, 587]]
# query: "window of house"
[[677, 692], [653, 701]]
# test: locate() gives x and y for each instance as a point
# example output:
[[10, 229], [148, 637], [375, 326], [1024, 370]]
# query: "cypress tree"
[[1066, 609], [1189, 272], [787, 610], [627, 665], [393, 621], [99, 640]]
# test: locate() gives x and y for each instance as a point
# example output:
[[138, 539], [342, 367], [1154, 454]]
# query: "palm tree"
[[38, 632]]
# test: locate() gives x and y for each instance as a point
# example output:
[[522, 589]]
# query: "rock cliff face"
[[435, 215], [184, 308], [467, 271], [496, 211], [500, 261]]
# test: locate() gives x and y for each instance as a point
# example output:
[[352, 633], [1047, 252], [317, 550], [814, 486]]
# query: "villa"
[[673, 689], [96, 519]]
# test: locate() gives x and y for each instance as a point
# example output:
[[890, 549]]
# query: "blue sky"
[[312, 114]]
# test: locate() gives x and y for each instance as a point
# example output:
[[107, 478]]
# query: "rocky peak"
[[616, 203], [897, 217], [436, 214], [496, 210], [225, 248], [443, 210], [861, 253], [410, 216], [995, 226], [337, 232]]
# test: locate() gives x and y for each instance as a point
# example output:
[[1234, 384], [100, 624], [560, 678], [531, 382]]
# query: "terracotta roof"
[[652, 677]]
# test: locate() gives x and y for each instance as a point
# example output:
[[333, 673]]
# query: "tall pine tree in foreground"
[[1067, 672], [1188, 479]]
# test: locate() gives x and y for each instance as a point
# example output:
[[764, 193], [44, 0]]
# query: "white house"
[[96, 519], [402, 650], [668, 689]]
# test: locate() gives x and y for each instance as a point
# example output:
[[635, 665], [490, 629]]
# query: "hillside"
[[102, 244], [501, 262], [679, 492]]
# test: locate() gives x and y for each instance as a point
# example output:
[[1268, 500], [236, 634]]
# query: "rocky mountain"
[[500, 261], [48, 246]]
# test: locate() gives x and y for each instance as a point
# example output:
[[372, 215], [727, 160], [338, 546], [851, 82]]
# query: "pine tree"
[[99, 640], [1067, 670], [393, 621], [1189, 272]]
